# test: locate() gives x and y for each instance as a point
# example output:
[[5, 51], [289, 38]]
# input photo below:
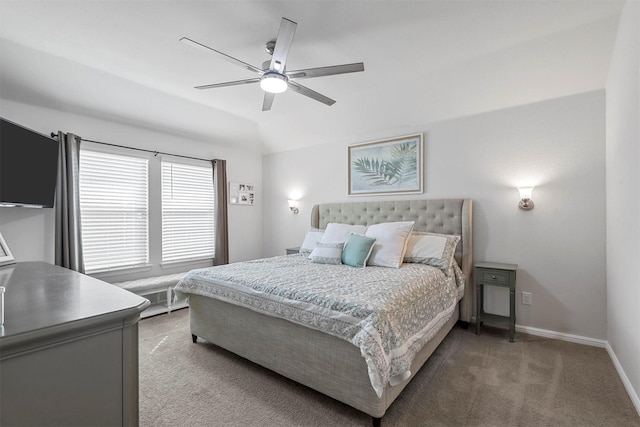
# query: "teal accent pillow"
[[357, 250]]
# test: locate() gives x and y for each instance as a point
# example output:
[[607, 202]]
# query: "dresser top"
[[40, 296]]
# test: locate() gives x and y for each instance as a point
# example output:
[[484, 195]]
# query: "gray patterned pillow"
[[436, 250], [327, 253]]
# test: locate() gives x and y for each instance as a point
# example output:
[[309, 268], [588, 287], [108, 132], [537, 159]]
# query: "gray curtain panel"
[[68, 249], [220, 220]]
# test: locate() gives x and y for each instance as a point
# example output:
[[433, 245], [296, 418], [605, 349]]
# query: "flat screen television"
[[28, 167]]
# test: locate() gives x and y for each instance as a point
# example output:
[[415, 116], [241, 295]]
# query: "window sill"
[[120, 270], [185, 262]]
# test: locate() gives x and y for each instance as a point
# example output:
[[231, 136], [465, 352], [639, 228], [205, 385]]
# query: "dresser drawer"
[[498, 277]]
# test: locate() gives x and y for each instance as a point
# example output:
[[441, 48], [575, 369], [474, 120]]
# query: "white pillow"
[[433, 249], [327, 253], [309, 243], [336, 232], [391, 242]]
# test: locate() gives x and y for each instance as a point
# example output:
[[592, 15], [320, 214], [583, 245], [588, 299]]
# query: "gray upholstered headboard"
[[445, 216]]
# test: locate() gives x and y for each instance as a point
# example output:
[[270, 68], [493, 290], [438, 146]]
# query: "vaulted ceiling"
[[425, 61]]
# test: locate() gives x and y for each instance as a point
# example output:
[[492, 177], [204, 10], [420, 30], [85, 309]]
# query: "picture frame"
[[388, 166], [6, 257], [241, 193]]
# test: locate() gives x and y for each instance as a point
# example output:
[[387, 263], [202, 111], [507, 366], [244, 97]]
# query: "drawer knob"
[[493, 277]]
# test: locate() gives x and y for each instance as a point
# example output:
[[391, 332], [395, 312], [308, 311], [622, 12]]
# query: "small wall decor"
[[241, 194], [5, 254], [390, 166]]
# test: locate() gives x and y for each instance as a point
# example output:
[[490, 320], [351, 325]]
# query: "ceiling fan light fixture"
[[273, 83], [273, 75]]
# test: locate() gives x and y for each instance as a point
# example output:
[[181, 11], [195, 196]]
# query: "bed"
[[332, 361]]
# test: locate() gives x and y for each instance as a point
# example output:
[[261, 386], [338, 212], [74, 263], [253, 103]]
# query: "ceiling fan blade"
[[234, 83], [224, 56], [302, 90], [268, 101], [326, 71], [283, 44]]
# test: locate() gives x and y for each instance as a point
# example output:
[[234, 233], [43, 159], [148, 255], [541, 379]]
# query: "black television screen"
[[28, 167]]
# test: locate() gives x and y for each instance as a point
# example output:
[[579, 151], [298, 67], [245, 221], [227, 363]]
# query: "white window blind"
[[114, 210], [187, 212]]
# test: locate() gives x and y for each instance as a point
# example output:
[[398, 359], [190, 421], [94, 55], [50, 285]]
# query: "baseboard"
[[562, 336], [623, 376], [557, 335], [591, 342]]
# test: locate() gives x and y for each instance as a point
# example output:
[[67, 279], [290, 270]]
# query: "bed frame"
[[320, 361]]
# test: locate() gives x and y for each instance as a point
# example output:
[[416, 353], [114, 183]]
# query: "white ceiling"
[[425, 61]]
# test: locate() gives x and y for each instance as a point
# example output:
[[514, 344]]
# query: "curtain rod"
[[155, 153]]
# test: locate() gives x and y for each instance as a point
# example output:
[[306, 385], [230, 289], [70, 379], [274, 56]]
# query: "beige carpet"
[[470, 381]]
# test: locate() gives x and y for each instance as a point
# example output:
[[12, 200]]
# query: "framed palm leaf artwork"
[[390, 166]]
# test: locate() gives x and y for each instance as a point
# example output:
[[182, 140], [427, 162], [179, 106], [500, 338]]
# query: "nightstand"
[[293, 250], [501, 275]]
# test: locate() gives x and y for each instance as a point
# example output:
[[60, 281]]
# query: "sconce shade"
[[525, 192], [525, 198], [293, 205]]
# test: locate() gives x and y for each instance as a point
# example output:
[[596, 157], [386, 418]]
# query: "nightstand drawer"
[[497, 277]]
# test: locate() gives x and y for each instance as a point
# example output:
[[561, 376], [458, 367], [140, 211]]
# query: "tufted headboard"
[[445, 216]]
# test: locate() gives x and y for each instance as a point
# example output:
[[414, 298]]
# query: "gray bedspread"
[[389, 314]]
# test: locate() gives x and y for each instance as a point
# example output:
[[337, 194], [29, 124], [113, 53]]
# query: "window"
[[114, 210], [187, 212]]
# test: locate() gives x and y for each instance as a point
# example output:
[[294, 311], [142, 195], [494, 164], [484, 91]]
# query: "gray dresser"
[[68, 349]]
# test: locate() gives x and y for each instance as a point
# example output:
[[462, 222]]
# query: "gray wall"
[[30, 232], [623, 200], [556, 145]]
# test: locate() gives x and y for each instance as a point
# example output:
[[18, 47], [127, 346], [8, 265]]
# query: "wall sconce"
[[293, 206], [526, 204]]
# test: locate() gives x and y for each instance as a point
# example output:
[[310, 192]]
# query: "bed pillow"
[[336, 232], [357, 250], [327, 253], [313, 236], [437, 250], [391, 242]]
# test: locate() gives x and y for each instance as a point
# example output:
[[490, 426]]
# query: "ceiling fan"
[[273, 76]]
